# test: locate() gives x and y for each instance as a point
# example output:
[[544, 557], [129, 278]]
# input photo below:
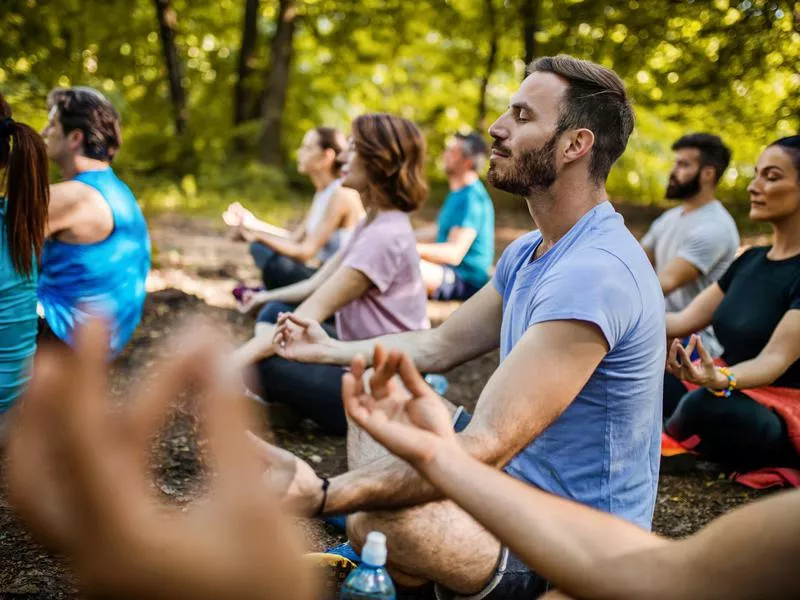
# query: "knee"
[[269, 313], [357, 529], [692, 412], [360, 524]]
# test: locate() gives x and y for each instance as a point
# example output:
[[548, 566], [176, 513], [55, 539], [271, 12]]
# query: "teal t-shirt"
[[472, 208], [18, 322]]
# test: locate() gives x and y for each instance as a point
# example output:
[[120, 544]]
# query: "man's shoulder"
[[73, 194], [669, 215], [714, 222], [612, 254]]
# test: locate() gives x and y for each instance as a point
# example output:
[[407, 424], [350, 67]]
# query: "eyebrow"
[[523, 106], [768, 167]]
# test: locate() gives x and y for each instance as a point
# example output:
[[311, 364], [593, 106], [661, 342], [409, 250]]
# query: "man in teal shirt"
[[457, 252]]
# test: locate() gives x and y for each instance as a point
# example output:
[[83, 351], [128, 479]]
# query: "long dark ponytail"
[[23, 162]]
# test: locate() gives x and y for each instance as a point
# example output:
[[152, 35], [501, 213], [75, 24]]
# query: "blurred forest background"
[[216, 94]]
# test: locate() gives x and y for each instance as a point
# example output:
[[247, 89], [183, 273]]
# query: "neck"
[[557, 210], [787, 237], [460, 180], [321, 179], [702, 198], [79, 164]]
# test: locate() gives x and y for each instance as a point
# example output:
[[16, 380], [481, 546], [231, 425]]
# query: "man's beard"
[[683, 191], [534, 170]]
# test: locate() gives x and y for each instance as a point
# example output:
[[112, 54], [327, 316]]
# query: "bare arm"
[[78, 213], [590, 554], [427, 234], [451, 252], [306, 247], [697, 315], [333, 292], [678, 273], [455, 341], [516, 405], [300, 291], [778, 355], [781, 352]]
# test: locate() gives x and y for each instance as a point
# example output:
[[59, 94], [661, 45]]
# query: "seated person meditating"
[[693, 244], [97, 253], [457, 253], [23, 217], [372, 286], [744, 410], [288, 257], [575, 307]]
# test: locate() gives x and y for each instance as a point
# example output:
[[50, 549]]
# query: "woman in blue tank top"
[[23, 214]]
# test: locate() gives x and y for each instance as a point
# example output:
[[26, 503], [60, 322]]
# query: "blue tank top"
[[17, 322], [105, 278]]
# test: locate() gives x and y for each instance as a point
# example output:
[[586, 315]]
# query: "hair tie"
[[5, 126]]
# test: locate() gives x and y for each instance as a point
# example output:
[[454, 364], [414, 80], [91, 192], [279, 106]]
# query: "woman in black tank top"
[[745, 413]]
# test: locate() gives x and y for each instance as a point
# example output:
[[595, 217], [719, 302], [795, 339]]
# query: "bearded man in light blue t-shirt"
[[574, 407]]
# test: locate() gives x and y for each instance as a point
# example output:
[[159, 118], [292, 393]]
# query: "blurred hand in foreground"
[[79, 475]]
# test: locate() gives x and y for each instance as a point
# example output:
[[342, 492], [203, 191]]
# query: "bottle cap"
[[374, 552]]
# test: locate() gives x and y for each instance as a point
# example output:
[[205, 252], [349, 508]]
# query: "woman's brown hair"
[[393, 152], [23, 162]]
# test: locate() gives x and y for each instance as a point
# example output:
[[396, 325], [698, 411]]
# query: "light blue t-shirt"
[[18, 322], [604, 449], [470, 207]]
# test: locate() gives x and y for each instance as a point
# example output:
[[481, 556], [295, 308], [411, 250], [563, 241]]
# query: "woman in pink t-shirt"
[[372, 286]]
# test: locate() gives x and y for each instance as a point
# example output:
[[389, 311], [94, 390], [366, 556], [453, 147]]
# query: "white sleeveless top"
[[315, 215]]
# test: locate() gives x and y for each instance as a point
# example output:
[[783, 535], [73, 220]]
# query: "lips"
[[499, 152]]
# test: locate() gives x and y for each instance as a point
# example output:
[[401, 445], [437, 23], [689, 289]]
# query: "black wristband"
[[325, 483]]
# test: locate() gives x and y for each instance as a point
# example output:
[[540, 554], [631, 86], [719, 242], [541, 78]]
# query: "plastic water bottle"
[[437, 382], [370, 581]]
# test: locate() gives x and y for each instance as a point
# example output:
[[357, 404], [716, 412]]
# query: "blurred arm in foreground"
[[582, 551]]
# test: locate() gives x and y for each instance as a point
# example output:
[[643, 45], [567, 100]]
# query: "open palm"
[[405, 415]]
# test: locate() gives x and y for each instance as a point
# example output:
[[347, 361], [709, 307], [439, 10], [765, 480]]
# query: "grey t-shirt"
[[707, 238]]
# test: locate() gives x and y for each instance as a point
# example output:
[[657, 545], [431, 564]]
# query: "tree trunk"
[[277, 84], [530, 15], [167, 20], [242, 96], [491, 19]]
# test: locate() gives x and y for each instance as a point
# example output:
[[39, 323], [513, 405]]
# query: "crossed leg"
[[433, 542]]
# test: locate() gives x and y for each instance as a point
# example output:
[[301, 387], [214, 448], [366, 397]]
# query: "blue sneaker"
[[345, 551]]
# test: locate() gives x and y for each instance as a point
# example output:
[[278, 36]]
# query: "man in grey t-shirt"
[[693, 244]]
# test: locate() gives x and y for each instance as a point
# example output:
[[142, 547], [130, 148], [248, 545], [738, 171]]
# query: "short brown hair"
[[393, 152], [596, 100], [88, 110]]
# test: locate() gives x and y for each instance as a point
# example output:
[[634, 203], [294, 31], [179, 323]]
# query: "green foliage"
[[726, 66]]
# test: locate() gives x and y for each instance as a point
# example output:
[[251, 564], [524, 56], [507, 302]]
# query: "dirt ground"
[[196, 266]]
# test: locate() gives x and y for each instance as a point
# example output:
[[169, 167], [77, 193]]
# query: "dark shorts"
[[512, 579], [453, 287]]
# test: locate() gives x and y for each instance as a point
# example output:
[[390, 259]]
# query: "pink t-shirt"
[[385, 251]]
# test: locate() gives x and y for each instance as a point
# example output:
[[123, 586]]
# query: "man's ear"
[[579, 143], [708, 174], [75, 139]]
